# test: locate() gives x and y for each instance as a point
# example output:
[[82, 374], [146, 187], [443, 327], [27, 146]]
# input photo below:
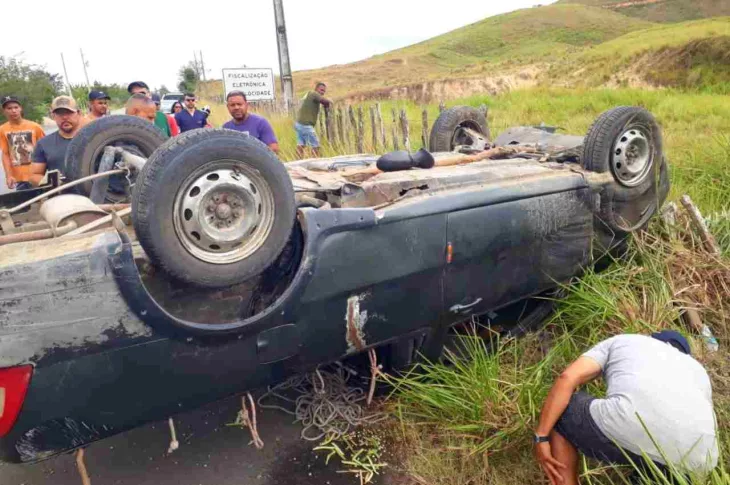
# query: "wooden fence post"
[[381, 127], [360, 130], [405, 129], [328, 125], [320, 123], [375, 129], [442, 106], [353, 123], [424, 128], [340, 130], [396, 143]]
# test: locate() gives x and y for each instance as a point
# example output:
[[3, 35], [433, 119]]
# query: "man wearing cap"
[[658, 404], [140, 87], [18, 138], [98, 105], [50, 153]]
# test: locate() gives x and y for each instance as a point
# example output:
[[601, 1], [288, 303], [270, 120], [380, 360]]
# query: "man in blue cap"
[[658, 405], [98, 105]]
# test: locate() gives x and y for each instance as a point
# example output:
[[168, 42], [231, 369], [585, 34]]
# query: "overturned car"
[[230, 270]]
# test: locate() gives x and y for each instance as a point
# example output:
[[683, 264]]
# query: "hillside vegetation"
[[495, 44], [661, 10]]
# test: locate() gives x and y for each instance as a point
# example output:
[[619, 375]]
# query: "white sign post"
[[257, 84]]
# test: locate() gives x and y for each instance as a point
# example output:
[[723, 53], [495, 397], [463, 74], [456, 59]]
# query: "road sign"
[[257, 84]]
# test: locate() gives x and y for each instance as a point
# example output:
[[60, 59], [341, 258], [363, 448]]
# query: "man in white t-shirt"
[[658, 404]]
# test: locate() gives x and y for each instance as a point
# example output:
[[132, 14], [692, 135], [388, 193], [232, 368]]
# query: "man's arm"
[[7, 163], [575, 375], [38, 167], [268, 136]]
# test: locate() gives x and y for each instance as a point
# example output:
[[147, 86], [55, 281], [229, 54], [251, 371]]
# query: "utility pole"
[[86, 74], [287, 83], [202, 65], [197, 66], [65, 74]]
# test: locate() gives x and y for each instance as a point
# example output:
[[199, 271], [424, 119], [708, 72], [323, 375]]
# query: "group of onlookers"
[[27, 153]]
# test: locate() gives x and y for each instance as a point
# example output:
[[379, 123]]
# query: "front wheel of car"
[[213, 207]]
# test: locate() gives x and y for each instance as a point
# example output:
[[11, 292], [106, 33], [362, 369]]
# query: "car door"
[[506, 251]]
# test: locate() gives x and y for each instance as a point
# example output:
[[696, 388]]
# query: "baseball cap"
[[9, 99], [675, 338], [156, 98], [94, 95], [64, 102], [137, 84]]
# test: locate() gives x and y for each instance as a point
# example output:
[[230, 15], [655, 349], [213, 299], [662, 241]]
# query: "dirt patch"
[[443, 89]]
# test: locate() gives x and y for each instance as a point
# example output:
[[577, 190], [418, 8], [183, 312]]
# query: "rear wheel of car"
[[627, 142], [84, 153], [448, 130], [213, 207]]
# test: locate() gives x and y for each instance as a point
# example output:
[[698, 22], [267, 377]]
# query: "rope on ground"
[[249, 421], [325, 403], [81, 467], [174, 443]]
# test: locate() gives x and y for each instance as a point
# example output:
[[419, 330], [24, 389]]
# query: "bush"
[[32, 85]]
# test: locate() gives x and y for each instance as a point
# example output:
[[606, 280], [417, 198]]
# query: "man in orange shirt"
[[18, 138]]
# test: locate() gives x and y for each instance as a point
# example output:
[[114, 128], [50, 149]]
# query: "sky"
[[150, 40]]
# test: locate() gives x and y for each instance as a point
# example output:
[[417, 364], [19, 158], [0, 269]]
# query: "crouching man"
[[658, 404]]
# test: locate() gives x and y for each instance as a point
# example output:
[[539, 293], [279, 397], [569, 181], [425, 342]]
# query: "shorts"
[[23, 186], [306, 135], [577, 426]]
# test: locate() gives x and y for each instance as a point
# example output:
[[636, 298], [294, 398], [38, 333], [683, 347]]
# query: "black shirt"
[[51, 150]]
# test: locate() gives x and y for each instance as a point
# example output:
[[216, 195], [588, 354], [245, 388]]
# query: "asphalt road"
[[210, 453]]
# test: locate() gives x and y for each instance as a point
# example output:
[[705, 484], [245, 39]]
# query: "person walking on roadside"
[[252, 124], [658, 404], [140, 87], [18, 138], [50, 152], [162, 122], [98, 105], [307, 118], [191, 118]]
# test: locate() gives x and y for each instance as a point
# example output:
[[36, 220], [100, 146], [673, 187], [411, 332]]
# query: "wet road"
[[210, 453]]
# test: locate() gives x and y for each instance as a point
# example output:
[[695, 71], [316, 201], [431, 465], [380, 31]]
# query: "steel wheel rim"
[[632, 157], [223, 212]]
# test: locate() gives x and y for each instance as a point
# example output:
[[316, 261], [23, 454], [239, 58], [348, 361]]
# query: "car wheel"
[[627, 143], [447, 132], [213, 207], [87, 147]]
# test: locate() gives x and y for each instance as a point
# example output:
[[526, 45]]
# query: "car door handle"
[[458, 308]]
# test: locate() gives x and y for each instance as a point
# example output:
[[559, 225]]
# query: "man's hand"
[[549, 464], [10, 181]]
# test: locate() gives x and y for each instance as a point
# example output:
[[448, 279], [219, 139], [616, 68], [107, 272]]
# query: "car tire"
[[627, 142], [86, 148], [213, 207], [449, 121]]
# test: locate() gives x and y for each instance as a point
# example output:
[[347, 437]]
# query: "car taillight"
[[13, 386]]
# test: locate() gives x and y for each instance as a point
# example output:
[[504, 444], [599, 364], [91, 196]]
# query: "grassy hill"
[[499, 43], [661, 10]]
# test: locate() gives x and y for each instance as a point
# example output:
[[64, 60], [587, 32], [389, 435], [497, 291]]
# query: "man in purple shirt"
[[191, 118], [255, 125]]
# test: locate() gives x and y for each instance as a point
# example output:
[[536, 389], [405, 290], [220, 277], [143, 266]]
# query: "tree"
[[32, 85], [163, 90], [189, 77]]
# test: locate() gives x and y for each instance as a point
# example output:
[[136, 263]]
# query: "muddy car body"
[[97, 336]]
